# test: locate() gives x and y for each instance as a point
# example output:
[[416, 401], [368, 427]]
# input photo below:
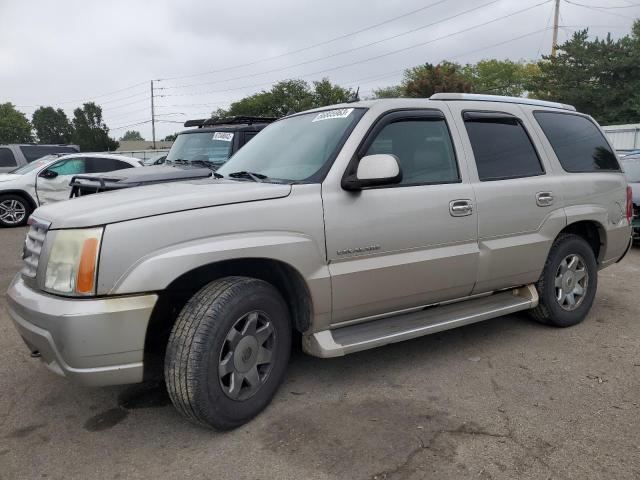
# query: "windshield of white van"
[[211, 147], [295, 148]]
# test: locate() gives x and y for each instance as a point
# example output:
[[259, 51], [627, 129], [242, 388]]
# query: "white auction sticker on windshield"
[[331, 114], [224, 136]]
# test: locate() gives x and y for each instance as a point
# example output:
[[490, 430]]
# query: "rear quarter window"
[[577, 142], [6, 158], [34, 152]]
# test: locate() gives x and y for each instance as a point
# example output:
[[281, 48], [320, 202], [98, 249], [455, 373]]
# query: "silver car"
[[356, 225]]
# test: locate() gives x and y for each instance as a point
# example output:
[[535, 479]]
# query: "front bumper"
[[92, 341]]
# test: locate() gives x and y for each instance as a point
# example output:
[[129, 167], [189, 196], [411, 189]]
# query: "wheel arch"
[[592, 231], [284, 277], [21, 193]]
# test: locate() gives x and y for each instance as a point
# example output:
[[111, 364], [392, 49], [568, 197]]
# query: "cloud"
[[71, 50]]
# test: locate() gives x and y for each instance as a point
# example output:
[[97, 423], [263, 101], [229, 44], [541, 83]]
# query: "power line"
[[87, 99], [369, 59], [291, 52], [631, 5], [130, 125], [336, 54], [597, 9], [82, 101]]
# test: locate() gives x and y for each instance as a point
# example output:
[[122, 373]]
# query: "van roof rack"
[[240, 119], [499, 98]]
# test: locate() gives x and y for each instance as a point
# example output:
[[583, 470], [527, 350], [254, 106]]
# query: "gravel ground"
[[507, 398]]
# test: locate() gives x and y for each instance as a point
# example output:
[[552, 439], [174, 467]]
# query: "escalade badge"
[[350, 251]]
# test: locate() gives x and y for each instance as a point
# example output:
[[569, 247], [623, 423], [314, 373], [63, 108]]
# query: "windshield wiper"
[[256, 177], [205, 163]]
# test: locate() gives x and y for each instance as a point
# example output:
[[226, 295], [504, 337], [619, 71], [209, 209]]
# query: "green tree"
[[600, 77], [288, 96], [501, 77], [14, 126], [51, 125], [171, 138], [132, 135], [325, 93], [425, 80], [394, 91], [90, 132]]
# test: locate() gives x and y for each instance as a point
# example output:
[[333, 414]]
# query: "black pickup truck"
[[196, 153]]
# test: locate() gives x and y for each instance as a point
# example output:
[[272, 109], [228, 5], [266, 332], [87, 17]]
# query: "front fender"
[[158, 269]]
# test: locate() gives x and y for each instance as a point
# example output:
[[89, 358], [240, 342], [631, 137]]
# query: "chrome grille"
[[33, 247]]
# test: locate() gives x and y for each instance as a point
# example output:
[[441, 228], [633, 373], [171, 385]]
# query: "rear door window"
[[98, 165], [501, 146], [577, 142], [6, 158]]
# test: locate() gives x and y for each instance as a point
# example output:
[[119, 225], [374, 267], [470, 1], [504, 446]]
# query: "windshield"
[[29, 167], [632, 169], [214, 147], [295, 148]]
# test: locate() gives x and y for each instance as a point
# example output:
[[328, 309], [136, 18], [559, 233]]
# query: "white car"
[[46, 180]]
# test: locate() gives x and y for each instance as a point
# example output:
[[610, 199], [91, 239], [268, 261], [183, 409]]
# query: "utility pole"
[[153, 119], [556, 15]]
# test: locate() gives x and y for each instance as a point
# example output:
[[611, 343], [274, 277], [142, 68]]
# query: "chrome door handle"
[[460, 208], [544, 199]]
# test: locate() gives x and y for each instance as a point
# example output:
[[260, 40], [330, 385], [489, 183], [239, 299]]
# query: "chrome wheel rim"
[[571, 282], [12, 211], [246, 357]]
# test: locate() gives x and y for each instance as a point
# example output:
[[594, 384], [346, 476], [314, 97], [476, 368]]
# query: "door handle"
[[460, 208], [544, 199]]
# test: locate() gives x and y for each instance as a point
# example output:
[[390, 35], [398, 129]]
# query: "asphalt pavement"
[[503, 399]]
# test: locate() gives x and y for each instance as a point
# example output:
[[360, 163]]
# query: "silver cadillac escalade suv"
[[356, 225]]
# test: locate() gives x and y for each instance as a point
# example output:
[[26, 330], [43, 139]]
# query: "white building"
[[624, 137]]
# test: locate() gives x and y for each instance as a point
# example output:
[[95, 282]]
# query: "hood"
[[152, 171], [635, 187], [7, 177], [155, 173], [157, 199]]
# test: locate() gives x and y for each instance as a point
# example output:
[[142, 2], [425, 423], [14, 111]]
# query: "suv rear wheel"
[[568, 283], [14, 210], [228, 352]]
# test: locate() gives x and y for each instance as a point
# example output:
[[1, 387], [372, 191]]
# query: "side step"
[[375, 333]]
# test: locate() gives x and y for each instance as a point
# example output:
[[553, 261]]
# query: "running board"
[[375, 333]]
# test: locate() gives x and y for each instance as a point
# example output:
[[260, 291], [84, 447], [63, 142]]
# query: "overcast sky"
[[64, 52]]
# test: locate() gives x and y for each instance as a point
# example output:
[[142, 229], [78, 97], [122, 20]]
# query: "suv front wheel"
[[568, 282], [228, 352]]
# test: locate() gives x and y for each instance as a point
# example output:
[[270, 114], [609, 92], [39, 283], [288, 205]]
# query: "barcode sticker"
[[331, 114], [224, 136]]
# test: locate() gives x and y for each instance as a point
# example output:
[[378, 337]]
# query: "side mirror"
[[374, 171], [49, 174]]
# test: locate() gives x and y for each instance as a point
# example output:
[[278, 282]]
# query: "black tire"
[[200, 339], [549, 310], [22, 205]]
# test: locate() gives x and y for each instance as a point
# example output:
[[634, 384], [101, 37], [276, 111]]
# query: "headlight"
[[72, 265]]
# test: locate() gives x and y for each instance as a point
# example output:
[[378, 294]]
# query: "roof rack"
[[240, 119], [499, 98]]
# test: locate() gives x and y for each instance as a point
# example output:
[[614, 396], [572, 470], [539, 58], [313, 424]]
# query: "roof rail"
[[499, 98], [241, 119], [195, 123]]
